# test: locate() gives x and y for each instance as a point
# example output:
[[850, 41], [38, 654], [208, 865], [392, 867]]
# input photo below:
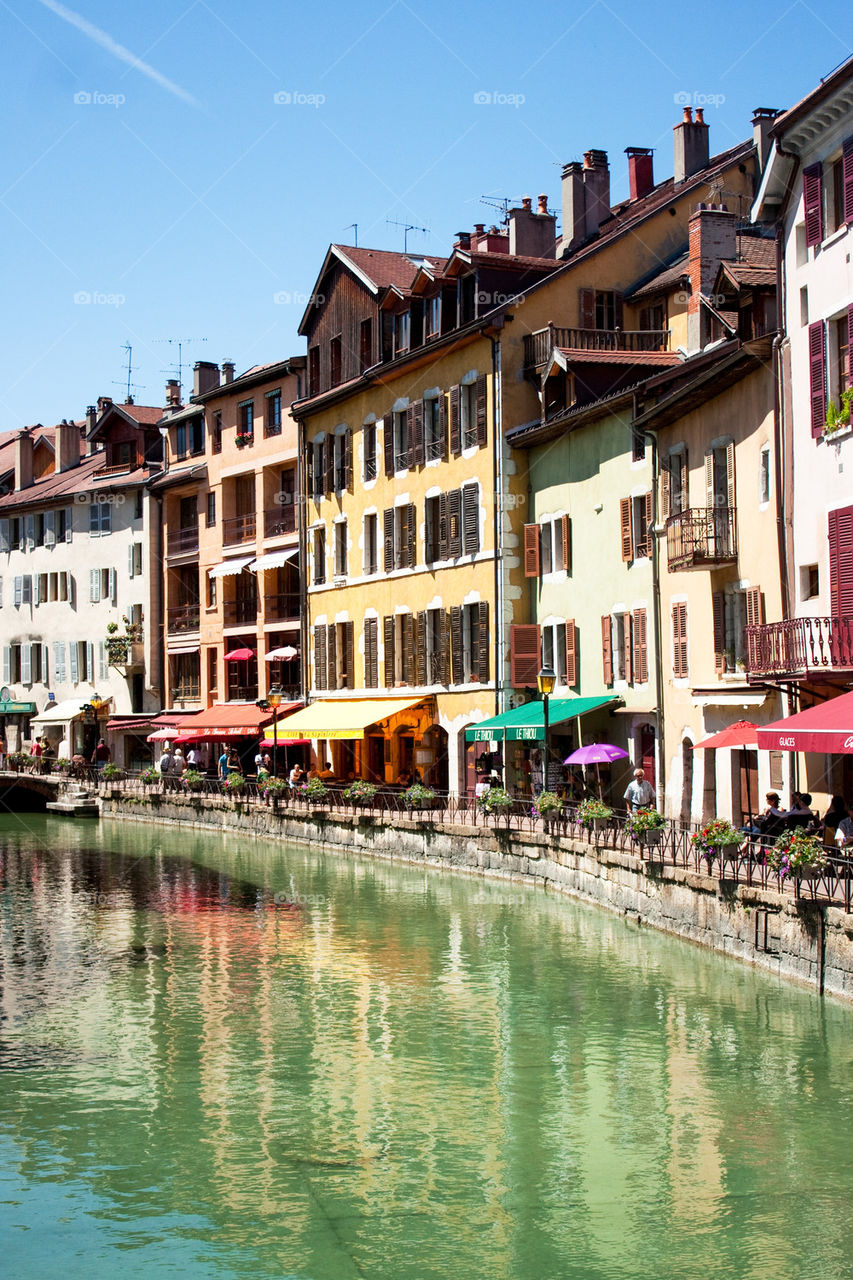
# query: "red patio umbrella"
[[741, 734], [239, 655]]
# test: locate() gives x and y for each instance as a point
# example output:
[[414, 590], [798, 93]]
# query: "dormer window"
[[402, 331], [432, 316]]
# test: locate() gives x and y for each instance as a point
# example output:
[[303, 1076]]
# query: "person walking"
[[639, 793]]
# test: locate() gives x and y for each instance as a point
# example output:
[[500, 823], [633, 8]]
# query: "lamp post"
[[274, 699], [546, 679]]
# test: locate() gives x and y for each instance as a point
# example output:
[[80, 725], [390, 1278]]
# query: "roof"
[[61, 712], [743, 273], [575, 356], [382, 267], [145, 415], [828, 87], [662, 282], [754, 249], [64, 484]]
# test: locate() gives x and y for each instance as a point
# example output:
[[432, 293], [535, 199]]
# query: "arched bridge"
[[27, 792]]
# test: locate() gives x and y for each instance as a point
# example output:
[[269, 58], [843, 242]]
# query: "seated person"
[[800, 814], [835, 814], [772, 821], [326, 772]]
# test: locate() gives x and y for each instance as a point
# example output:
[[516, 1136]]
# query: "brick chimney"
[[712, 239], [463, 240], [690, 139], [173, 394], [205, 376], [641, 176], [66, 446], [104, 402], [762, 122], [533, 235], [227, 371], [24, 459]]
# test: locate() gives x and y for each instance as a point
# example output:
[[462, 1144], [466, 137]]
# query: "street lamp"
[[546, 679], [272, 700]]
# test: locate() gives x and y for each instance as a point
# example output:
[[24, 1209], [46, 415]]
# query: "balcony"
[[539, 345], [800, 647], [701, 537], [237, 612], [283, 607], [238, 529], [182, 542], [117, 468], [182, 618], [280, 520], [126, 653]]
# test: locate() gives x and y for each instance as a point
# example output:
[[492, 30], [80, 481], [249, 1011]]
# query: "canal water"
[[227, 1058]]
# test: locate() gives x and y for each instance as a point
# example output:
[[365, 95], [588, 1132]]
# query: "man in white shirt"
[[639, 793]]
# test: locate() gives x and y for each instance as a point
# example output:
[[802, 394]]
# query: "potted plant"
[[646, 826], [838, 416], [795, 854], [496, 800], [113, 773], [417, 796], [18, 760], [314, 789], [149, 777], [547, 806], [234, 783], [194, 780], [243, 438], [718, 839], [63, 765], [594, 814], [274, 789], [360, 791]]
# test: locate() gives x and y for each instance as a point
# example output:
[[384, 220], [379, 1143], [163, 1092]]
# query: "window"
[[216, 434], [402, 331], [103, 585], [335, 361], [371, 544], [319, 555], [554, 650], [272, 414], [469, 643], [317, 469], [674, 483], [764, 475], [399, 529], [804, 305], [435, 442], [605, 309], [134, 560], [246, 419], [313, 371], [635, 525], [100, 519], [435, 640], [369, 435], [401, 440], [181, 440], [212, 592], [340, 549], [809, 582], [65, 523], [679, 640], [837, 194], [470, 519], [365, 344], [468, 414], [733, 610], [213, 673], [195, 436], [432, 317], [341, 449], [550, 546], [842, 366], [432, 529], [211, 509]]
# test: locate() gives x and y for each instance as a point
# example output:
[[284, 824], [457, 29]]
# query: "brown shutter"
[[411, 544], [402, 552], [586, 308], [442, 426], [618, 310], [348, 460], [455, 428], [471, 519], [847, 180], [524, 650], [606, 649], [410, 434], [483, 641], [813, 202], [349, 654], [388, 442], [330, 464], [421, 676], [320, 658], [417, 436], [443, 649], [371, 653], [408, 630], [625, 528], [817, 376], [443, 539], [718, 602], [567, 543], [388, 623], [665, 489], [454, 523], [456, 654], [482, 421], [532, 544], [332, 656], [571, 653], [628, 632], [388, 527], [649, 513], [754, 607], [841, 563], [641, 649]]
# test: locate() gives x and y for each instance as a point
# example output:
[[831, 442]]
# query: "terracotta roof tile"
[[77, 479], [382, 266], [575, 356]]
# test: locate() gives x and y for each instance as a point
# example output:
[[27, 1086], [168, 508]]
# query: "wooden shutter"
[[443, 539], [388, 442], [524, 650], [606, 649], [566, 522], [641, 647], [416, 433], [74, 660], [329, 485], [94, 586], [813, 202], [471, 519], [410, 543], [709, 478], [27, 664], [730, 475], [817, 377], [349, 654], [403, 549], [571, 653], [532, 551], [454, 523], [421, 674], [388, 531], [586, 308], [482, 421], [320, 657], [348, 471], [850, 343], [625, 532], [90, 660], [410, 443], [457, 657], [618, 310], [49, 530], [841, 563], [442, 426], [665, 487], [331, 656], [371, 653], [679, 640], [4, 535], [628, 641], [7, 664], [443, 648], [18, 595], [409, 676], [847, 180], [754, 609], [388, 624], [483, 641], [455, 422], [718, 603]]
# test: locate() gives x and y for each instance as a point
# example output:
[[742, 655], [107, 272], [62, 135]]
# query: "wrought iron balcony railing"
[[699, 537], [182, 618], [238, 529], [236, 612], [182, 541], [799, 647], [283, 607]]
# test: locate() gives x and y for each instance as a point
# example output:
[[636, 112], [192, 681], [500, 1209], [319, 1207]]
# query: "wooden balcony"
[[280, 520], [182, 542], [539, 345], [238, 529], [182, 618], [283, 607], [237, 612], [117, 468], [701, 537], [799, 648]]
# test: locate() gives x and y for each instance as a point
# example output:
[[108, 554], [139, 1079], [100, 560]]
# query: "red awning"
[[235, 719], [826, 727], [129, 724], [169, 719]]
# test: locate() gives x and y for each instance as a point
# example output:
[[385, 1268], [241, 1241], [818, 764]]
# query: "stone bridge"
[[27, 792]]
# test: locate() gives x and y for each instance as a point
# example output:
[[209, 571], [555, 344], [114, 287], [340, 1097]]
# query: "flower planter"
[[601, 824], [806, 873], [654, 836]]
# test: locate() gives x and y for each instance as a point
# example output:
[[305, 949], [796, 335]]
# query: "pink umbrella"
[[596, 753], [239, 655]]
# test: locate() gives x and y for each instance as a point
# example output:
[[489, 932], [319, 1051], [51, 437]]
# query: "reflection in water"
[[269, 1062]]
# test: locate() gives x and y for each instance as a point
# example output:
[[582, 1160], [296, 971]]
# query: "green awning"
[[9, 707], [526, 724]]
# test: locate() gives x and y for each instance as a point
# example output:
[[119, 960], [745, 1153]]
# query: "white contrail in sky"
[[118, 50]]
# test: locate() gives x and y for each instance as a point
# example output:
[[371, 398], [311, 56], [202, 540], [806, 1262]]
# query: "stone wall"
[[809, 942]]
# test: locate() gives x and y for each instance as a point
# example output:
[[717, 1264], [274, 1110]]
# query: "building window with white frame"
[[468, 414], [340, 548], [371, 544], [369, 442], [764, 475]]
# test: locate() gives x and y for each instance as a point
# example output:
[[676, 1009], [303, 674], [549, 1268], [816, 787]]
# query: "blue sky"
[[178, 170]]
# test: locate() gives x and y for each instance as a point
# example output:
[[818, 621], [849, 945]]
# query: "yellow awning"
[[342, 718]]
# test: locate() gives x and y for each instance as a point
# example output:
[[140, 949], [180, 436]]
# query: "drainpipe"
[[497, 520], [656, 608], [301, 500]]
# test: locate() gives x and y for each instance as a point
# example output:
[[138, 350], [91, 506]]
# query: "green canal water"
[[227, 1058]]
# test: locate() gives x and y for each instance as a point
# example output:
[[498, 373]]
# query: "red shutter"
[[606, 649], [629, 647], [571, 653], [847, 179], [817, 376], [523, 655], [482, 422], [625, 528], [586, 308], [679, 641], [531, 550], [813, 201], [455, 428], [567, 543], [641, 651], [718, 601], [841, 563], [850, 344]]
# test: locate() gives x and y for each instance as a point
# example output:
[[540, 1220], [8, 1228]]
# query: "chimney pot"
[[700, 115], [687, 118], [479, 228], [543, 204], [526, 203], [227, 371]]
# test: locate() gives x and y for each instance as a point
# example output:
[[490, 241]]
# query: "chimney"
[[762, 123], [690, 145], [66, 446], [227, 372], [205, 377], [173, 393], [463, 240], [712, 239], [641, 176], [573, 208], [533, 235], [91, 417], [104, 402], [596, 186], [24, 459]]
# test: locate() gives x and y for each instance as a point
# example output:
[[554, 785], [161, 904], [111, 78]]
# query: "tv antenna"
[[126, 382], [503, 205], [353, 226], [407, 227], [179, 367]]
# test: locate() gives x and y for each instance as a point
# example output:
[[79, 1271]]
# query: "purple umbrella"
[[596, 753]]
